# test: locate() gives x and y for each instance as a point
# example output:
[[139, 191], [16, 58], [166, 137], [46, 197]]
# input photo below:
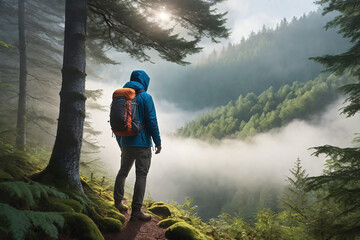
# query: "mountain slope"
[[272, 57], [252, 113]]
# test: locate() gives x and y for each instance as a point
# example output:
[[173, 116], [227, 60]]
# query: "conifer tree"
[[128, 27], [341, 178], [295, 198]]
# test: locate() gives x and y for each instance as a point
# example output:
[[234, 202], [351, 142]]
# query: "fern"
[[16, 222], [29, 192]]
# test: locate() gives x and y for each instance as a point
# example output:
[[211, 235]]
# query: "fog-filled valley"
[[256, 107], [233, 176]]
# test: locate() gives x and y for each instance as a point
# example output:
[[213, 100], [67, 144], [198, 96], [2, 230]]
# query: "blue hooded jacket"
[[139, 80]]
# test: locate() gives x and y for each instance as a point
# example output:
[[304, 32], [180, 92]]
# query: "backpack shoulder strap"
[[139, 91], [137, 94]]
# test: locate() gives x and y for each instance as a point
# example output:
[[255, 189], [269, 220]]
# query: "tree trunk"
[[21, 112], [63, 168]]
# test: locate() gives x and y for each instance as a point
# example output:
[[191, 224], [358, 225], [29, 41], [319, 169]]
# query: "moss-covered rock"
[[168, 222], [110, 225], [115, 214], [80, 226], [183, 231], [161, 209], [65, 205], [106, 224]]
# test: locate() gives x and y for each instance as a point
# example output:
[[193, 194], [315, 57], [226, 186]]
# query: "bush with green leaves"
[[16, 223]]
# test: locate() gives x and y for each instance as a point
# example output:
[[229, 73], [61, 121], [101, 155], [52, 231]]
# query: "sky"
[[245, 16]]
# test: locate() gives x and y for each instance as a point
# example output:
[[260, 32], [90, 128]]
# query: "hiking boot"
[[139, 215], [121, 207]]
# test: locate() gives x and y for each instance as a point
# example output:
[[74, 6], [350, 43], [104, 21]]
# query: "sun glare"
[[164, 16]]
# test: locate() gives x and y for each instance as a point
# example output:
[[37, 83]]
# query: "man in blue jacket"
[[138, 148]]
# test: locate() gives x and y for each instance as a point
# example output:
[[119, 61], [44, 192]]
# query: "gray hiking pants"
[[142, 158]]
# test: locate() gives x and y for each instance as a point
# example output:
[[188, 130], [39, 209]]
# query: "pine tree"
[[128, 27], [341, 178], [295, 197], [313, 216], [348, 24]]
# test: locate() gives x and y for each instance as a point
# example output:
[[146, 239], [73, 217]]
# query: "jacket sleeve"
[[151, 123]]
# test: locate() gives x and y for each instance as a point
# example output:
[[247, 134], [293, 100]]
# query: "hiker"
[[138, 148]]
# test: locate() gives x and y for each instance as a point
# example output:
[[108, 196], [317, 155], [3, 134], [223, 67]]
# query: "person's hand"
[[157, 149]]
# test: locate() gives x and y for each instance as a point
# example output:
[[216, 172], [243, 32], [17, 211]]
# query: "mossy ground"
[[86, 216]]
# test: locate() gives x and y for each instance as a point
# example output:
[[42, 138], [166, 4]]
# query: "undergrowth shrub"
[[27, 194], [16, 223]]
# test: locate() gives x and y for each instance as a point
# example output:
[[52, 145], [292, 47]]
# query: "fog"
[[207, 171]]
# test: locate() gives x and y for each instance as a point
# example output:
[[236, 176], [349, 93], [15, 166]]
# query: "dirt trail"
[[139, 230]]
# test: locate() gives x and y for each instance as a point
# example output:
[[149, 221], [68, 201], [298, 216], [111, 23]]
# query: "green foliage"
[[16, 223], [295, 197], [259, 113], [347, 24], [228, 227], [121, 25], [187, 212], [269, 227], [6, 45], [340, 180], [18, 164], [27, 194], [47, 203], [309, 213], [353, 90]]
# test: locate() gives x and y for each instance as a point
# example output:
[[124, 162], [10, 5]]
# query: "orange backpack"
[[124, 118]]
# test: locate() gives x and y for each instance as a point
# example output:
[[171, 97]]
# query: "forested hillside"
[[253, 113], [271, 57]]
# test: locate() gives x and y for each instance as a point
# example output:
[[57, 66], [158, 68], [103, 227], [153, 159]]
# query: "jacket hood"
[[139, 80]]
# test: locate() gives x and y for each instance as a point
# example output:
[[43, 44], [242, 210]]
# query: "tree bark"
[[63, 168], [21, 112]]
